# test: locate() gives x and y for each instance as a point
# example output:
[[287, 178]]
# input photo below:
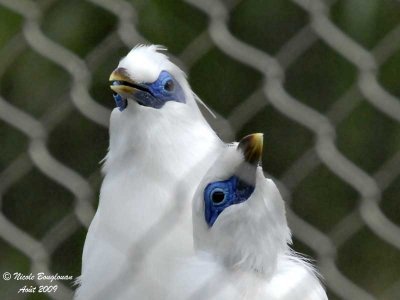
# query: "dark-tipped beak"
[[120, 74], [123, 85], [252, 147]]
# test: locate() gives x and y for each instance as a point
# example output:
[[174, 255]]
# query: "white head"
[[156, 108], [149, 78], [238, 214]]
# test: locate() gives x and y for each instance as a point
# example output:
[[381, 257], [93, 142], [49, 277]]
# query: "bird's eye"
[[218, 196], [169, 85]]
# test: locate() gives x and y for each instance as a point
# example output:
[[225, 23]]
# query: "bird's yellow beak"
[[252, 147], [121, 83]]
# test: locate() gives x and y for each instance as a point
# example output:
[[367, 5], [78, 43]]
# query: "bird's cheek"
[[208, 213], [228, 216], [211, 213], [146, 99]]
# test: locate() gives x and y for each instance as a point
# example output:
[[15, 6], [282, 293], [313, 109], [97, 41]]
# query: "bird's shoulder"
[[295, 278]]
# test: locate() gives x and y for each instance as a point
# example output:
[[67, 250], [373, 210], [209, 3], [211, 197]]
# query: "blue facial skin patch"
[[219, 195], [120, 102], [155, 94], [164, 89]]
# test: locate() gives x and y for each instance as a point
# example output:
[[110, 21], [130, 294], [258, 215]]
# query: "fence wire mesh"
[[320, 78]]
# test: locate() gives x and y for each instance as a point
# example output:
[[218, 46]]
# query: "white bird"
[[160, 148], [241, 237]]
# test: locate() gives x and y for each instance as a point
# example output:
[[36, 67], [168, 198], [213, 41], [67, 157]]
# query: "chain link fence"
[[320, 78]]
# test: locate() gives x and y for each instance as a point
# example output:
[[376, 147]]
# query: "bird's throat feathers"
[[255, 231], [169, 137]]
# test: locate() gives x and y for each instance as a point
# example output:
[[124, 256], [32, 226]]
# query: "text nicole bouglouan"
[[38, 282]]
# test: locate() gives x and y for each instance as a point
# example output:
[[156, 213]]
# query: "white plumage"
[[244, 254], [156, 158], [140, 243]]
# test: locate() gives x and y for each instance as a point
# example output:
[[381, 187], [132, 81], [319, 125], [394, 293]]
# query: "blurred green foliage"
[[317, 78]]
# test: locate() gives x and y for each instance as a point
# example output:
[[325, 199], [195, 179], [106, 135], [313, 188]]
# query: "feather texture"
[[245, 254], [155, 160]]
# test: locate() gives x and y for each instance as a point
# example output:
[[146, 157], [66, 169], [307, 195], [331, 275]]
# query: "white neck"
[[152, 163], [166, 138]]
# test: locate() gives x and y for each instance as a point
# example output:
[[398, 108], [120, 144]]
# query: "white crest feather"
[[197, 98]]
